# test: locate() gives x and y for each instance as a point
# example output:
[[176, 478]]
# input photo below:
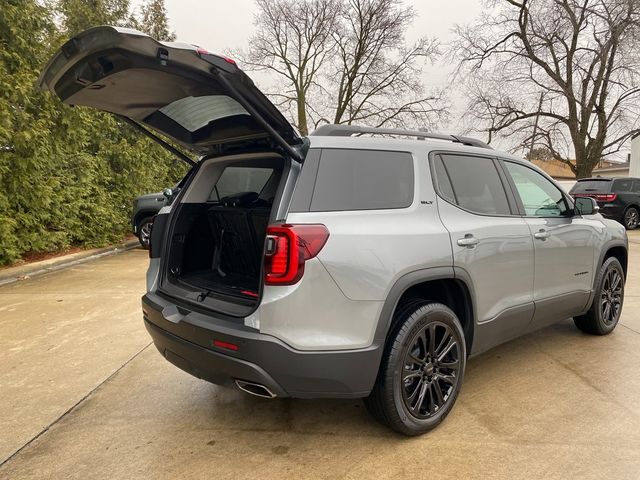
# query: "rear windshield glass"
[[591, 186], [362, 180], [193, 113], [236, 180]]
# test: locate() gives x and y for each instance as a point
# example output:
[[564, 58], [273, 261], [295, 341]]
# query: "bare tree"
[[376, 76], [582, 54], [293, 41]]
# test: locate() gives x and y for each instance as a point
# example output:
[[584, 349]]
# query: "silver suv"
[[346, 264]]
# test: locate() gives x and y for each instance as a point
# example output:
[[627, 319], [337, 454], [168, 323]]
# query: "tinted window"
[[591, 185], [622, 185], [362, 180], [443, 183], [539, 196], [476, 184], [236, 180], [636, 186], [193, 113]]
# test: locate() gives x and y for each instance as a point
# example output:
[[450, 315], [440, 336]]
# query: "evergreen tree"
[[154, 21], [67, 175]]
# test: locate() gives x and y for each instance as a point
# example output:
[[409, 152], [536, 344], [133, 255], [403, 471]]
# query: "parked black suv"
[[618, 198]]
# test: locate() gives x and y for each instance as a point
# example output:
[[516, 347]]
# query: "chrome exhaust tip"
[[255, 389]]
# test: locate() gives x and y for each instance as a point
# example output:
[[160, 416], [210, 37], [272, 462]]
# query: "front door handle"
[[541, 234], [468, 241]]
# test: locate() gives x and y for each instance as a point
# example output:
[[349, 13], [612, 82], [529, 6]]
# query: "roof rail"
[[333, 130]]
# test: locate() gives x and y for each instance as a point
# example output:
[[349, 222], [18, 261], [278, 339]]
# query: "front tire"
[[144, 232], [631, 218], [421, 370], [606, 307]]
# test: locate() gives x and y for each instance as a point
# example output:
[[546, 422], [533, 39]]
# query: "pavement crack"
[[74, 406], [629, 328]]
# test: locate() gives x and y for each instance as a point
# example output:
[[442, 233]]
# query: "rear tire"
[[144, 232], [421, 370], [631, 218], [606, 307]]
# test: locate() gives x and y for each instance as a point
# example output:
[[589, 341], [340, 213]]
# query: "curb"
[[16, 274]]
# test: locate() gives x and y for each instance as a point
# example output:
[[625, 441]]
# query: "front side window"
[[539, 196], [475, 184]]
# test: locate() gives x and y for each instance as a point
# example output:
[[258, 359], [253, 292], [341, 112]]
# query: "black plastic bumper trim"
[[260, 358]]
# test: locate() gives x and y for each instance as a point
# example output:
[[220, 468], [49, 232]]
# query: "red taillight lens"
[[599, 197], [287, 247], [227, 345], [608, 197]]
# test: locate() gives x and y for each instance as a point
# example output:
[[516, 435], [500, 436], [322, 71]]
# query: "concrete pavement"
[[555, 404]]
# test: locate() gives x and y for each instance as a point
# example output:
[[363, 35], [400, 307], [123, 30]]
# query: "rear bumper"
[[262, 359], [612, 211]]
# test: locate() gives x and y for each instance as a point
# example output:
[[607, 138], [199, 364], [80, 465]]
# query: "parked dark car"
[[618, 198], [145, 207]]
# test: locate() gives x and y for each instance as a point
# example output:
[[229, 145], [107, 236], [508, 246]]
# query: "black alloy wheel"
[[431, 370], [631, 218], [606, 307], [611, 296], [144, 232], [421, 370]]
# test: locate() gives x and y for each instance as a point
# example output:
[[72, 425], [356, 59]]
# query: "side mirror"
[[168, 193], [586, 206]]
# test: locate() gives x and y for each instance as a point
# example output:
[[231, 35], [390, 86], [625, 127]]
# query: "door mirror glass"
[[168, 193], [586, 206]]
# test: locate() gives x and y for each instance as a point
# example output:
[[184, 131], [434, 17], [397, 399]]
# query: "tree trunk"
[[302, 114], [584, 167]]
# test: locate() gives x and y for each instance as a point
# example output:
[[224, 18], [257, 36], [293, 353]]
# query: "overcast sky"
[[222, 25]]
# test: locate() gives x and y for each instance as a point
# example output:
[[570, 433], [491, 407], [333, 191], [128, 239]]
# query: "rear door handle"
[[541, 234], [468, 241]]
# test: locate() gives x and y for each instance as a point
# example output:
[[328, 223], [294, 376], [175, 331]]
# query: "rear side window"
[[591, 185], [476, 184], [236, 180], [442, 180], [622, 185], [362, 180]]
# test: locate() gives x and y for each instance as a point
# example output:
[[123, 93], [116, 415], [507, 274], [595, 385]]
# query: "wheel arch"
[[613, 248], [439, 284], [141, 215], [619, 252]]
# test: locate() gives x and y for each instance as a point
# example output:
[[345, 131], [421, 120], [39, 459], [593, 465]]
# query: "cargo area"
[[219, 228]]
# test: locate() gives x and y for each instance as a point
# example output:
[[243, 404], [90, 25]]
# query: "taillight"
[[606, 197], [287, 247], [598, 197]]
